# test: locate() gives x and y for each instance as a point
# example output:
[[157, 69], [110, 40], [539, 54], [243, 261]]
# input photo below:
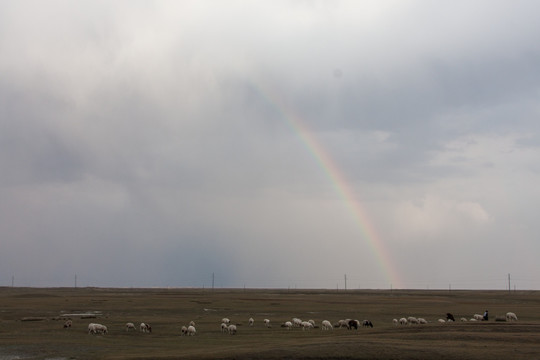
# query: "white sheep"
[[463, 319], [130, 326], [403, 321], [184, 330], [267, 323], [395, 322], [442, 321], [224, 327], [422, 321], [478, 317], [343, 323], [312, 322], [232, 329], [288, 325], [97, 328], [146, 328], [412, 320], [251, 322], [306, 325], [192, 323], [191, 331], [327, 325], [510, 316], [68, 323], [101, 329], [297, 322], [226, 321]]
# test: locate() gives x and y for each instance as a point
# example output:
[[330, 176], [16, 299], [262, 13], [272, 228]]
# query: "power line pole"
[[509, 288], [75, 281], [345, 282]]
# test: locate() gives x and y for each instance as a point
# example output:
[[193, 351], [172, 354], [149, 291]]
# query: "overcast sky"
[[155, 143]]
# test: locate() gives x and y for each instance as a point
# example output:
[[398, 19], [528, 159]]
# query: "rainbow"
[[339, 183]]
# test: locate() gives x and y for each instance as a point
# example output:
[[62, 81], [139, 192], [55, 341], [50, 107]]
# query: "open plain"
[[32, 322]]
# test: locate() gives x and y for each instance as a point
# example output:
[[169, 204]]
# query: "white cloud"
[[431, 216]]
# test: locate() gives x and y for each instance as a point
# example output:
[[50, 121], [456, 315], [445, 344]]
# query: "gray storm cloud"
[[163, 133]]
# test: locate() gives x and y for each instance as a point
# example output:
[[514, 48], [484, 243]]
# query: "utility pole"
[[75, 281], [345, 282], [509, 288]]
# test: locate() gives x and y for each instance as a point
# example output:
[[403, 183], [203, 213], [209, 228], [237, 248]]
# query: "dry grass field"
[[32, 324]]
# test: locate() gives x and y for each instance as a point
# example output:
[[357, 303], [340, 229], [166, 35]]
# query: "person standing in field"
[[486, 315]]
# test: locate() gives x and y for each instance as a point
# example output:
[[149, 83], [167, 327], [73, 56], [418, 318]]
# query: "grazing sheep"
[[422, 321], [367, 323], [192, 323], [478, 317], [224, 327], [412, 320], [145, 328], [312, 322], [473, 319], [130, 326], [288, 325], [353, 324], [395, 322], [191, 330], [68, 323], [327, 325], [184, 330], [97, 328], [297, 322], [510, 316], [226, 321], [463, 319], [343, 323], [403, 321], [251, 322], [306, 325], [442, 321], [267, 323], [450, 317], [232, 329]]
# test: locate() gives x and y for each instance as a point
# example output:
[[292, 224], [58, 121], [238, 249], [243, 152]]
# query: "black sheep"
[[353, 324], [367, 323]]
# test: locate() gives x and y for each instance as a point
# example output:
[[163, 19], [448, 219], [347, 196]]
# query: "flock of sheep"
[[230, 328], [510, 316]]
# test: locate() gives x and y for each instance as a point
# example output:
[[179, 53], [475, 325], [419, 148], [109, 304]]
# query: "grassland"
[[31, 324]]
